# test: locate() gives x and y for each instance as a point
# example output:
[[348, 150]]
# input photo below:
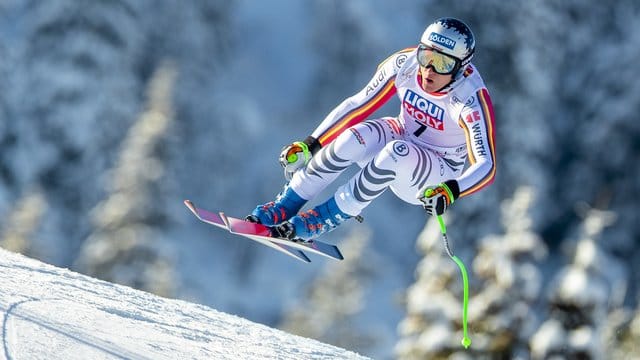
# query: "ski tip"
[[190, 205], [328, 250]]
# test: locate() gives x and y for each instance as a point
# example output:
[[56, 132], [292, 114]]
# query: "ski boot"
[[312, 223], [287, 204]]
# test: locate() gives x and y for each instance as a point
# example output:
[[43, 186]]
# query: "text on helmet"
[[442, 40]]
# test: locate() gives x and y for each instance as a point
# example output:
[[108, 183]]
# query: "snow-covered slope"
[[53, 313]]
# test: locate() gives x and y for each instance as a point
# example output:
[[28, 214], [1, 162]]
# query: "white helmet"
[[452, 37]]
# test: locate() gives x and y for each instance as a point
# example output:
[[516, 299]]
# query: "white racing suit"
[[436, 137]]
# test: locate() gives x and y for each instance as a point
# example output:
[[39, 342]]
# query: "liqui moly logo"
[[423, 111], [442, 40]]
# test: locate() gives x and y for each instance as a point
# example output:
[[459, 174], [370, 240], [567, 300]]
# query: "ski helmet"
[[452, 37]]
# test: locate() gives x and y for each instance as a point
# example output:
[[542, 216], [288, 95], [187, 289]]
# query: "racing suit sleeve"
[[358, 107], [477, 120]]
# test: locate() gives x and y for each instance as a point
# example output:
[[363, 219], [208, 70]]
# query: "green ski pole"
[[466, 340]]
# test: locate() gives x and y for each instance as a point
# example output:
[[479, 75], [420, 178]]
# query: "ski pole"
[[466, 340]]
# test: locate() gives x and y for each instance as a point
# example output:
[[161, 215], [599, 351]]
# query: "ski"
[[206, 216], [259, 231], [220, 220]]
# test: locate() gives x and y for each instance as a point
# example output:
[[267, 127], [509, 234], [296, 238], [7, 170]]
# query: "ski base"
[[262, 235], [219, 220], [245, 228]]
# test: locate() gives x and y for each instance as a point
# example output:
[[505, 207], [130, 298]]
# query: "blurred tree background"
[[113, 112]]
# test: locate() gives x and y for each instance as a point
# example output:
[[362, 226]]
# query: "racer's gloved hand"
[[296, 156], [437, 198]]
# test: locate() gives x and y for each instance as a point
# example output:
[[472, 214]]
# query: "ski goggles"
[[441, 63]]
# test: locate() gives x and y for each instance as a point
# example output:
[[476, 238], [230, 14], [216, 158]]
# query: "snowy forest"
[[113, 112]]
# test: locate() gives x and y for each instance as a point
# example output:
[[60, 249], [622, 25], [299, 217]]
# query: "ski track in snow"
[[53, 313]]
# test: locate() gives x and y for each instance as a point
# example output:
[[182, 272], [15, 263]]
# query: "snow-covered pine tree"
[[582, 296], [627, 339], [127, 246], [504, 284], [23, 221], [71, 94], [215, 119]]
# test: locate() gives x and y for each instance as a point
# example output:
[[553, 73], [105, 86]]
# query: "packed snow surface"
[[53, 313]]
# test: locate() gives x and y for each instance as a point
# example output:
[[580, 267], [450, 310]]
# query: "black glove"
[[437, 198]]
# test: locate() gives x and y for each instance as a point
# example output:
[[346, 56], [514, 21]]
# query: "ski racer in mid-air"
[[440, 147]]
